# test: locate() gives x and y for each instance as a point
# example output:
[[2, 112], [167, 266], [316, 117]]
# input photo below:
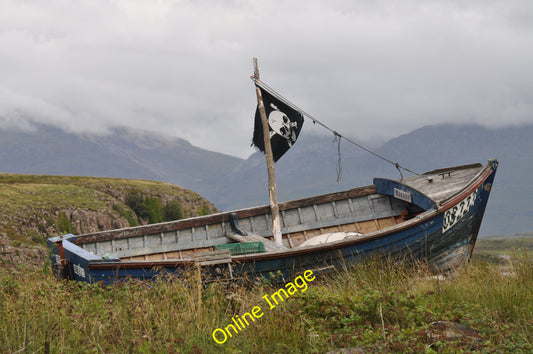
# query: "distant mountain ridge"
[[309, 168]]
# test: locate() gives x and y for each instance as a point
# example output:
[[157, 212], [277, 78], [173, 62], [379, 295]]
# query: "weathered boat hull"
[[407, 220]]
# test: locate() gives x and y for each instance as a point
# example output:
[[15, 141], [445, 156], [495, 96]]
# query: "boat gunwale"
[[450, 201], [452, 169], [471, 186]]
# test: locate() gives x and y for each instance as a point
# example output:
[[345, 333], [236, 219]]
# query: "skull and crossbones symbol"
[[282, 125]]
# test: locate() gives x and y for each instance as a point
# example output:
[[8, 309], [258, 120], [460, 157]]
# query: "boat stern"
[[69, 261]]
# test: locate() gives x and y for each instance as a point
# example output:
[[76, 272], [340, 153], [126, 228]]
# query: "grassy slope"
[[101, 184]]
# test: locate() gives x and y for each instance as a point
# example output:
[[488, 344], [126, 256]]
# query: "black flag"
[[284, 123]]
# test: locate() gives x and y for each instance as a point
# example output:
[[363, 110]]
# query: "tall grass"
[[376, 307]]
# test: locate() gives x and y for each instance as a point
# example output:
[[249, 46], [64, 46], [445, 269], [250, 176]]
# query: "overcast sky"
[[369, 69]]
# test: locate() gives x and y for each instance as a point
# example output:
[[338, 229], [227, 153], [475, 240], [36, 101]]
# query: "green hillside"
[[35, 207]]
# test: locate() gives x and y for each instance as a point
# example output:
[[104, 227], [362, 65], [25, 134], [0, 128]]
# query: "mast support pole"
[[274, 208]]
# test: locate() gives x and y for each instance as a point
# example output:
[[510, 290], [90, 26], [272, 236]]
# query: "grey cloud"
[[371, 69]]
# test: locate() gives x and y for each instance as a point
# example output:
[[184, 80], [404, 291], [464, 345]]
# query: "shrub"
[[63, 224], [204, 210], [128, 214], [136, 202], [172, 211], [146, 208], [153, 207]]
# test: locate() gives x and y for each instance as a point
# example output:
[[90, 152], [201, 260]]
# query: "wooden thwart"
[[212, 257]]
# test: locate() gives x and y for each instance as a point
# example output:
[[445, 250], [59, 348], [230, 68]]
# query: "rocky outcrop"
[[91, 221]]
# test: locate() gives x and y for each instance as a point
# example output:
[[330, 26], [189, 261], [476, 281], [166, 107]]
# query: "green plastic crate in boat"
[[242, 248]]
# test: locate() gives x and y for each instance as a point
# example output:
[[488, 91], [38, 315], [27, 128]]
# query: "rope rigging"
[[335, 133]]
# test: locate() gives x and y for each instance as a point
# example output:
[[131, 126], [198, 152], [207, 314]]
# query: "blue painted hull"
[[444, 237]]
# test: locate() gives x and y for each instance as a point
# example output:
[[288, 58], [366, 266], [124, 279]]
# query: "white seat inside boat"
[[329, 237]]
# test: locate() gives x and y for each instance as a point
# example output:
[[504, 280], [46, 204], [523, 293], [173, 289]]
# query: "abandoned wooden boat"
[[434, 217]]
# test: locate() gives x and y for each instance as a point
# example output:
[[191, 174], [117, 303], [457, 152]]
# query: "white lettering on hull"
[[453, 215], [79, 270]]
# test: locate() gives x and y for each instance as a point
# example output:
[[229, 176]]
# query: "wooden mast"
[[274, 208]]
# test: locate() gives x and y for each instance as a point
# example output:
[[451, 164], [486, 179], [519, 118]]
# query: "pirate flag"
[[284, 123]]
